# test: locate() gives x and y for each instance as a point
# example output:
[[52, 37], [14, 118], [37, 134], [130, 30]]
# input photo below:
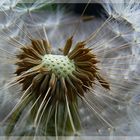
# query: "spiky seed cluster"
[[69, 74]]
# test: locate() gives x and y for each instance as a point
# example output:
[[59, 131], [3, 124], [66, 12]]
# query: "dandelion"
[[69, 76]]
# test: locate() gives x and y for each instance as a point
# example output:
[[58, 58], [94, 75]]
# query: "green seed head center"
[[61, 65]]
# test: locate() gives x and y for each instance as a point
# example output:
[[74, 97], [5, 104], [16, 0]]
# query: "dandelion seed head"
[[76, 68]]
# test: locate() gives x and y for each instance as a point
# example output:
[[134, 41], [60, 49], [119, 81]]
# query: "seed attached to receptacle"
[[71, 72]]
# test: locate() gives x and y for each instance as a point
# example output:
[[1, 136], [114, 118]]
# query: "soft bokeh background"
[[60, 20]]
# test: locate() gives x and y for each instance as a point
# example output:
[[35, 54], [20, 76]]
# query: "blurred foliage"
[[41, 7], [77, 8]]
